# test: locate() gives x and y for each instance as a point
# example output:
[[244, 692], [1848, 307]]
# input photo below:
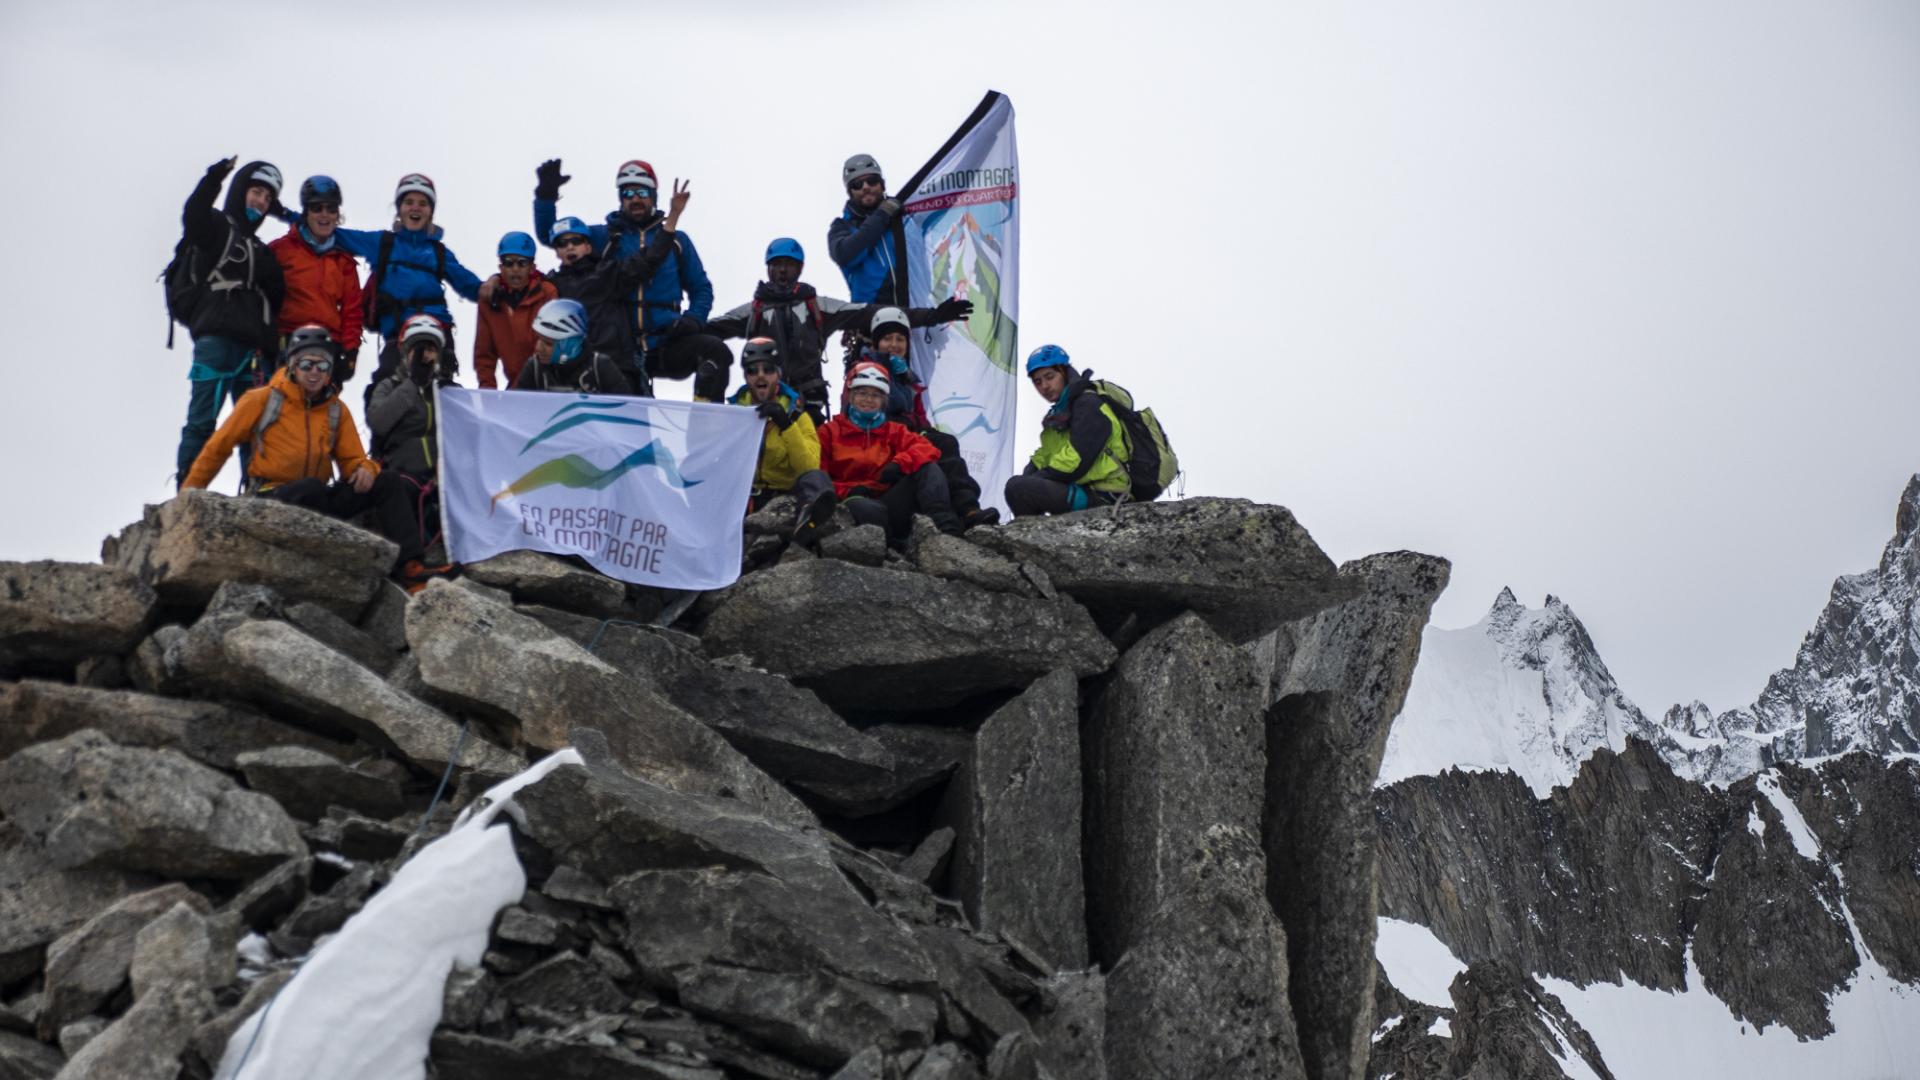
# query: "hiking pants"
[[393, 499], [220, 374], [923, 492], [962, 488], [1030, 495], [807, 487], [704, 357]]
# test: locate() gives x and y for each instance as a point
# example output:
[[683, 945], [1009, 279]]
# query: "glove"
[[684, 325], [420, 373], [222, 167], [343, 370], [890, 473], [279, 211], [549, 180], [889, 206], [953, 308], [773, 412]]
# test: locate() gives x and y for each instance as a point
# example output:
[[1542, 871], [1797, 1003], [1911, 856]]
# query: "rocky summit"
[[1074, 798]]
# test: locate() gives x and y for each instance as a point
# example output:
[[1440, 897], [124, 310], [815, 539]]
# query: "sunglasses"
[[313, 365], [570, 240], [761, 367], [323, 208], [511, 262], [866, 182], [636, 193]]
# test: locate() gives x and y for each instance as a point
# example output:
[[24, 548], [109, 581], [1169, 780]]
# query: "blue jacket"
[[658, 304], [411, 283], [861, 243]]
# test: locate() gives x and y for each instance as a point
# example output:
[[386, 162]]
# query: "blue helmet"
[[786, 247], [563, 322], [1047, 356], [319, 189], [566, 226], [517, 243]]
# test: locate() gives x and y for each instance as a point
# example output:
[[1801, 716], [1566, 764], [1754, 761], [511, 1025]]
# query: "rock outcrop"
[[1031, 804]]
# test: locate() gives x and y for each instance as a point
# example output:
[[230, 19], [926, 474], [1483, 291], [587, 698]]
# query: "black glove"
[[890, 473], [280, 212], [889, 206], [549, 180], [776, 413], [343, 369], [420, 373], [684, 325], [953, 308], [221, 168]]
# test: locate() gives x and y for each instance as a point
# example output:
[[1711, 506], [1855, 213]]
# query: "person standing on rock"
[[407, 266], [505, 337], [226, 286], [889, 332], [799, 320], [859, 240], [673, 344], [790, 445], [1082, 457], [322, 281], [307, 451], [562, 362], [879, 468]]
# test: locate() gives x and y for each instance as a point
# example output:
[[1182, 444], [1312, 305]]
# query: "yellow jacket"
[[784, 455]]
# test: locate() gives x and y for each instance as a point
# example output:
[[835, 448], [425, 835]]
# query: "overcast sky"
[[1616, 301]]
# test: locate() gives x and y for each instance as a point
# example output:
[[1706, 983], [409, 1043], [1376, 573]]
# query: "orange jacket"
[[854, 458], [506, 330], [321, 289], [293, 448]]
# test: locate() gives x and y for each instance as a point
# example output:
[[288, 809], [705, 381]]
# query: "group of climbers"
[[278, 328]]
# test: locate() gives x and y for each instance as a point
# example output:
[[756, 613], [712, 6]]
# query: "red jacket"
[[854, 458], [322, 289], [506, 330]]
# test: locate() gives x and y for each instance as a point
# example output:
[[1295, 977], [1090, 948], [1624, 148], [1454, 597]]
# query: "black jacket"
[[799, 328], [594, 374], [400, 412], [245, 312], [606, 286]]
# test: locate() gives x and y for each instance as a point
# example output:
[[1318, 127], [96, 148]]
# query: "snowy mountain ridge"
[[1525, 690]]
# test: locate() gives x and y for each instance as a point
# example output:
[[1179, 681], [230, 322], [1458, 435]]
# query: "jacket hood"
[[236, 205]]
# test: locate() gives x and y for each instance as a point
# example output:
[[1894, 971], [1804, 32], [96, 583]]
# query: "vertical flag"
[[647, 491], [960, 236]]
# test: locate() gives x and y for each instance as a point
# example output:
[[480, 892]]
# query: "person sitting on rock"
[[799, 320], [561, 360], [790, 446], [605, 285], [879, 468], [307, 451], [889, 333], [505, 338], [1082, 457]]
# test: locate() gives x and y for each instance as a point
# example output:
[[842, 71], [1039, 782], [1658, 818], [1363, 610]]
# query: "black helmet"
[[760, 351], [320, 189], [308, 338]]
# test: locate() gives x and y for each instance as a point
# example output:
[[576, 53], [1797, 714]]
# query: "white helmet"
[[563, 322], [264, 173], [888, 316], [420, 183], [869, 375], [635, 173], [426, 326]]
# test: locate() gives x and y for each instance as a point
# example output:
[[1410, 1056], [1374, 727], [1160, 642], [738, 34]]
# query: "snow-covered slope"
[[1524, 689]]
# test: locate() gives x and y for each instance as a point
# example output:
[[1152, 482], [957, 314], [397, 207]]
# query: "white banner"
[[961, 220], [647, 491]]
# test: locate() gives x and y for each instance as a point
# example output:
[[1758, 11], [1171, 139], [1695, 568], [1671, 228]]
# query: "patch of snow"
[[1417, 963], [1757, 825], [1381, 1031], [255, 950], [1804, 843], [334, 858], [1571, 1063], [1646, 1034], [366, 1001], [1440, 1027]]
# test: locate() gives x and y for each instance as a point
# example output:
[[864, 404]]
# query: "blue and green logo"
[[575, 471]]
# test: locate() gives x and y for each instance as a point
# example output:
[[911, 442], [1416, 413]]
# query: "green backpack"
[[1151, 463]]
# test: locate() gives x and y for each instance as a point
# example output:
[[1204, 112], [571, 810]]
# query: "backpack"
[[271, 413], [1151, 463], [378, 304], [185, 287]]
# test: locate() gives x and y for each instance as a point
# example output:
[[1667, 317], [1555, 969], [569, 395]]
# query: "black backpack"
[[185, 287], [378, 305], [1151, 463]]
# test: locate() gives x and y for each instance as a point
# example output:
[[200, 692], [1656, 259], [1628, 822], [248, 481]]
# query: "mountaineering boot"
[[812, 514], [980, 515]]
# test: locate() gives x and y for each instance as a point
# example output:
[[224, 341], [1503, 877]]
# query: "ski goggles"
[[303, 364], [636, 193]]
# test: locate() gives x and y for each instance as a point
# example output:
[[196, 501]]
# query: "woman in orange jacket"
[[878, 467], [323, 284], [301, 433]]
